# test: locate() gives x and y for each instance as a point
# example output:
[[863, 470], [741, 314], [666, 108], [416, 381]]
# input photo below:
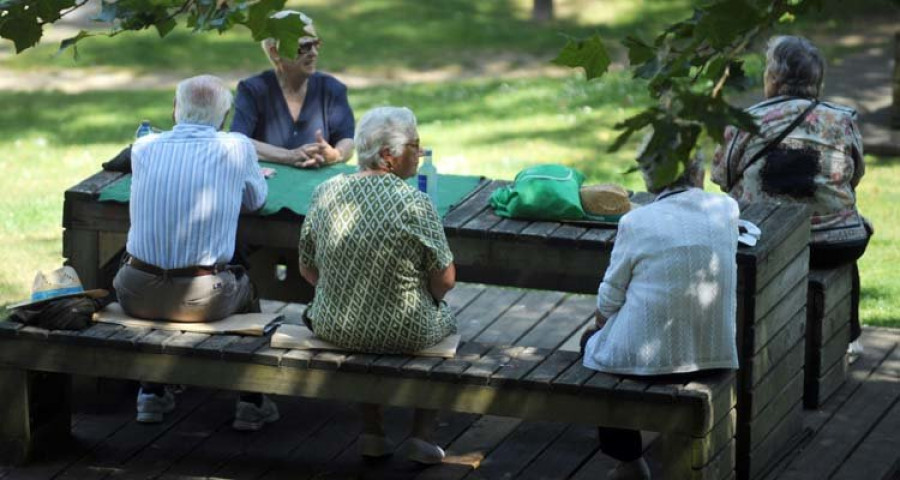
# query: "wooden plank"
[[481, 313], [508, 228], [560, 460], [90, 187], [184, 344], [764, 328], [756, 367], [834, 320], [310, 457], [540, 232], [244, 346], [463, 295], [479, 372], [785, 234], [722, 435], [518, 450], [97, 333], [561, 323], [833, 351], [833, 283], [165, 450], [817, 391], [268, 356], [779, 443], [126, 338], [469, 450], [213, 345], [82, 251], [296, 358], [359, 362], [567, 234], [16, 434], [763, 424], [153, 341], [256, 454], [519, 318], [837, 439], [389, 364], [470, 207], [480, 224], [573, 378], [876, 456], [722, 466], [522, 361], [327, 360], [553, 366], [754, 400], [110, 454], [598, 238], [451, 368]]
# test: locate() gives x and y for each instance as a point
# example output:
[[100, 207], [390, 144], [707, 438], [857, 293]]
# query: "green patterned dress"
[[374, 239]]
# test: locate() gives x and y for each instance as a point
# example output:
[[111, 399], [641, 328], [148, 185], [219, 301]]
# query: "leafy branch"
[[22, 21], [687, 67]]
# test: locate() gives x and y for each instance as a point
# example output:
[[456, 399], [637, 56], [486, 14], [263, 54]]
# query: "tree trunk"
[[543, 11]]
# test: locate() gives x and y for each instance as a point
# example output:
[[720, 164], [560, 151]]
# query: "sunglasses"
[[307, 47]]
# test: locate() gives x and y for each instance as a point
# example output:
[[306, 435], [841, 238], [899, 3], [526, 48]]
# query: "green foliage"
[[687, 66], [22, 21], [589, 54]]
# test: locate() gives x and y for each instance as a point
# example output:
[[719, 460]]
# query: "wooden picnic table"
[[569, 257]]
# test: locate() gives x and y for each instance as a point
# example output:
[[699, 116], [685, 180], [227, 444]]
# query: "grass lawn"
[[492, 125]]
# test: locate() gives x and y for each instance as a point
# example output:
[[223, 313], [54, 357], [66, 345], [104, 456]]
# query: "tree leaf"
[[164, 26], [725, 20], [638, 51], [72, 42], [287, 31], [258, 16], [589, 54], [22, 27]]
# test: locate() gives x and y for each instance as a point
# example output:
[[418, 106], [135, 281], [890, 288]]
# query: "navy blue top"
[[261, 113]]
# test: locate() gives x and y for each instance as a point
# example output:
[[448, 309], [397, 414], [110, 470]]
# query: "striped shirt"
[[188, 186]]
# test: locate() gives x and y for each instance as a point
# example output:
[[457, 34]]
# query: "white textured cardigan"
[[670, 290]]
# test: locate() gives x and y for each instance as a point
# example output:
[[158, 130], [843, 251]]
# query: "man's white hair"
[[381, 127], [202, 100], [272, 42]]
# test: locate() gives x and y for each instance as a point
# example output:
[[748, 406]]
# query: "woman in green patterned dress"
[[374, 248]]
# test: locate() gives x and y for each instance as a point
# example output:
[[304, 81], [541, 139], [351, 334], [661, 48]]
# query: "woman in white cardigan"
[[667, 302]]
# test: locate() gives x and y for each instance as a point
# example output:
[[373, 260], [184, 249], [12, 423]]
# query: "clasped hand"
[[314, 155]]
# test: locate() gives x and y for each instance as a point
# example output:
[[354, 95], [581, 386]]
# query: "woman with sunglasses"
[[294, 114]]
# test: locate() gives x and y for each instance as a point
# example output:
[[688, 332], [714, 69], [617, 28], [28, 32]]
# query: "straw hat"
[[604, 199], [60, 283]]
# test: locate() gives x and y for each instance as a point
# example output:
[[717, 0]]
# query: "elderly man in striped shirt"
[[188, 188]]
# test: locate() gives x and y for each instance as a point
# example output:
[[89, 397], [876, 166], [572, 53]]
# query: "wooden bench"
[[829, 310], [697, 420]]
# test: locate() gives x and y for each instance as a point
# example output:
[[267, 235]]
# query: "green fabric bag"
[[543, 192]]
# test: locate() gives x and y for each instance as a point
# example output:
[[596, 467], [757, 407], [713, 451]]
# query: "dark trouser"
[[828, 256], [623, 444]]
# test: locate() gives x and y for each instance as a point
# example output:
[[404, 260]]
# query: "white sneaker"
[[151, 408], [636, 470], [424, 452], [375, 446], [250, 418]]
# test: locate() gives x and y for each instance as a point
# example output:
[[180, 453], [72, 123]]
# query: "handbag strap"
[[771, 145]]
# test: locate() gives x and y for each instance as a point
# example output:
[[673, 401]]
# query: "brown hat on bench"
[[604, 199], [60, 283]]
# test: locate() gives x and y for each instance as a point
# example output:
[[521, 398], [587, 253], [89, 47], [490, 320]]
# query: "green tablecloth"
[[291, 188]]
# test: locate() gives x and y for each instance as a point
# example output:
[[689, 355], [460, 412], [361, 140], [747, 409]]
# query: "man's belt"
[[193, 271]]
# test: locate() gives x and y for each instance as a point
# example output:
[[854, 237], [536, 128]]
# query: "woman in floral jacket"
[[806, 151]]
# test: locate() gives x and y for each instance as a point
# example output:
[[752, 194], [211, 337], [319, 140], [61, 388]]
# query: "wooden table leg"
[[35, 411], [15, 423], [82, 251]]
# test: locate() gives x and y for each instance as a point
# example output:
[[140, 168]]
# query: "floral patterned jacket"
[[818, 164]]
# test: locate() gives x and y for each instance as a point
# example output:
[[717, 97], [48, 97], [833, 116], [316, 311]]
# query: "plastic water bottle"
[[428, 178], [143, 129]]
